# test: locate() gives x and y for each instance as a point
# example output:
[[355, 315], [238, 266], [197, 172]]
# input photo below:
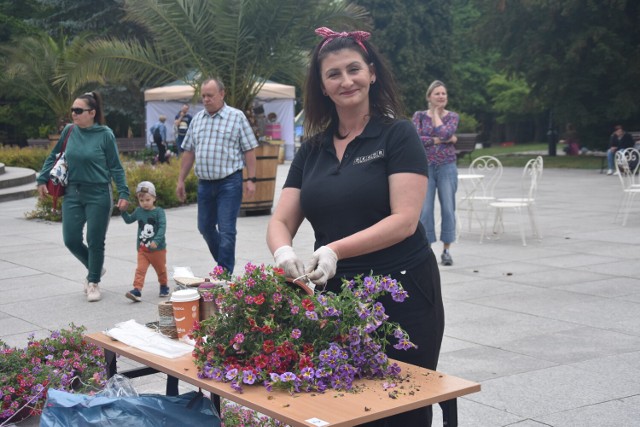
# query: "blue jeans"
[[610, 156], [444, 180], [218, 207], [179, 140]]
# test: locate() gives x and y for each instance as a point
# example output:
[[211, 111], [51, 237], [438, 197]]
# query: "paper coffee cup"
[[186, 310]]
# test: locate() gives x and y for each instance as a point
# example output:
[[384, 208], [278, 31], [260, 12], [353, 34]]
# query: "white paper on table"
[[139, 336], [182, 272]]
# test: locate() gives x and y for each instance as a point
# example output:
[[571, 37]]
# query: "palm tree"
[[242, 42], [32, 66]]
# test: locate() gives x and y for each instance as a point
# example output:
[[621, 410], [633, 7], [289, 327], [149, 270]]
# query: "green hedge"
[[27, 157], [163, 176]]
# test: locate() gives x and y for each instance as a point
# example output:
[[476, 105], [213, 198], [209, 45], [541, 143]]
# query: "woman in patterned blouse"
[[436, 127]]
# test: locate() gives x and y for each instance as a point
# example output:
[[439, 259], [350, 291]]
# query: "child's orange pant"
[[158, 259]]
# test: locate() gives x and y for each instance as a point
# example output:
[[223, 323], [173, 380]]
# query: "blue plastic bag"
[[64, 409]]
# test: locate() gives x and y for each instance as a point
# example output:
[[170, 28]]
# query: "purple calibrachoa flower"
[[277, 297], [248, 377], [371, 285], [381, 358], [231, 374], [288, 376], [379, 312], [399, 296], [333, 312], [404, 344], [307, 373], [363, 311], [296, 333]]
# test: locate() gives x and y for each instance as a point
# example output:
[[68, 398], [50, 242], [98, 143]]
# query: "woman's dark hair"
[[320, 111], [94, 101]]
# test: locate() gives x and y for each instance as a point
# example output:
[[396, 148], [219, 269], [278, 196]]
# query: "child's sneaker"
[[134, 295], [164, 291]]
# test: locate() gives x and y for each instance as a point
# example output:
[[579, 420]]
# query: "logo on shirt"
[[364, 159]]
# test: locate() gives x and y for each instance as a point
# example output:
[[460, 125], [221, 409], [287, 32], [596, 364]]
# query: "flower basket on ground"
[[268, 331], [64, 361]]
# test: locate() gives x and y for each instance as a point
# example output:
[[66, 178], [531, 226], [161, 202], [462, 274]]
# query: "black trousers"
[[162, 150]]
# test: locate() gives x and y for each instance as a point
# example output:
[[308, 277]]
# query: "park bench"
[[131, 145], [465, 145], [603, 154], [39, 143]]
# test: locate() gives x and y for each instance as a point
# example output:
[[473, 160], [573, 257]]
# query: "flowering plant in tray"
[[267, 331], [64, 361]]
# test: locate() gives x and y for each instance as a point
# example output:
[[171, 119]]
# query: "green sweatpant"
[[89, 204]]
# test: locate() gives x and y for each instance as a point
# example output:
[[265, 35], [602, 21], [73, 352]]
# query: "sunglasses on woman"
[[80, 110]]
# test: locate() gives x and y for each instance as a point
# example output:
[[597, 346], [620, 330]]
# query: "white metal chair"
[[529, 186], [490, 168], [627, 162], [633, 160]]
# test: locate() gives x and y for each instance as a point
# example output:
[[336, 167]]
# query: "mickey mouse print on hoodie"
[[151, 227]]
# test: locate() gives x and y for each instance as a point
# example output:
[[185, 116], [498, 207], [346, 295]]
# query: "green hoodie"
[[92, 158]]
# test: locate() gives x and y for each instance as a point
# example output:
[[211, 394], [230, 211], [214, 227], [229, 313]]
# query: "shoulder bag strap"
[[66, 138]]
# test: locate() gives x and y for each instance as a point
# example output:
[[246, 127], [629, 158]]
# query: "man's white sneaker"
[[86, 281], [610, 172], [93, 292]]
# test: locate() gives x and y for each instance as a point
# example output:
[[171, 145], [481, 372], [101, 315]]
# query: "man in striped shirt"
[[220, 142]]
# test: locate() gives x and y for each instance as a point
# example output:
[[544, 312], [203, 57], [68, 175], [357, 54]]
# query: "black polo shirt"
[[342, 198]]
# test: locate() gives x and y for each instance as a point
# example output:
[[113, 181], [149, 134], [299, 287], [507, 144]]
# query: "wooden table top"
[[369, 402]]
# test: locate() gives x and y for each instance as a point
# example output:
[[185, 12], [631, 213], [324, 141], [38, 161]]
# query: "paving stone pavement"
[[551, 330]]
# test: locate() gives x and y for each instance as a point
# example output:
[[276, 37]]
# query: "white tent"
[[275, 98]]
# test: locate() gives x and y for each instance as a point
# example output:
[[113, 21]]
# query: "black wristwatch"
[[252, 179]]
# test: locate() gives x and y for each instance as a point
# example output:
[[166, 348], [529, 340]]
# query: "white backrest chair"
[[489, 169], [632, 155], [626, 162], [531, 174]]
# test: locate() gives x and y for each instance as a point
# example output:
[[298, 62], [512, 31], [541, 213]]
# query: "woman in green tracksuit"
[[93, 163]]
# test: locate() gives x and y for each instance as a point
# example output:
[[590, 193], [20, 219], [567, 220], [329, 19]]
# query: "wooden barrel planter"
[[266, 169]]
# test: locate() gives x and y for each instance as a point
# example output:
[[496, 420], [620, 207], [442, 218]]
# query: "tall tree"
[[14, 16], [415, 35], [580, 58], [98, 17], [243, 42], [31, 66], [472, 68]]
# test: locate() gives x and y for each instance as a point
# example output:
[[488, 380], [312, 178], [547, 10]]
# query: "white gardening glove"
[[322, 265], [287, 260]]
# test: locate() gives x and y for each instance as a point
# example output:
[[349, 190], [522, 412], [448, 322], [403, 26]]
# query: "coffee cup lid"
[[185, 295]]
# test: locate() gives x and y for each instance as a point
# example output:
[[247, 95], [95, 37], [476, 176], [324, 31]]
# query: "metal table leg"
[[449, 413]]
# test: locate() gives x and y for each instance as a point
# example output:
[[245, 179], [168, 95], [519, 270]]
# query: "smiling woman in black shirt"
[[361, 180]]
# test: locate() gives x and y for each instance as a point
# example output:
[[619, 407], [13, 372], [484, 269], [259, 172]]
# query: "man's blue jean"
[[218, 207], [443, 179], [611, 155]]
